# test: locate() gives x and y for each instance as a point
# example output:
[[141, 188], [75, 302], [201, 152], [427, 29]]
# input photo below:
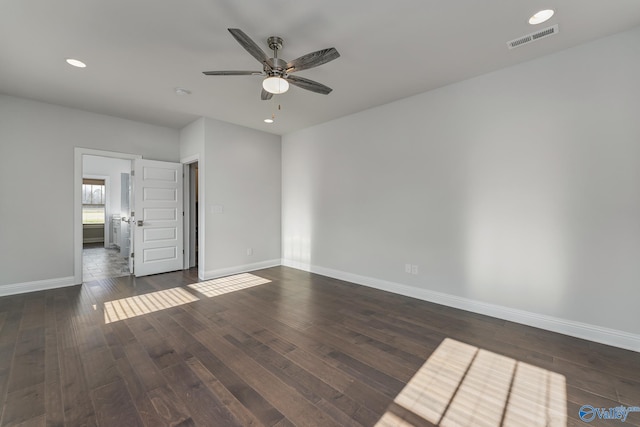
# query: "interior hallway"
[[99, 262]]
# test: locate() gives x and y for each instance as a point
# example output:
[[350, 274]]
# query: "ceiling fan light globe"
[[275, 85]]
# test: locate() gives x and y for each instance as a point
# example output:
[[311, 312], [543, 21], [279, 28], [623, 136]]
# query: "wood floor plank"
[[294, 406], [6, 356], [95, 351], [54, 405], [327, 348], [113, 406], [78, 409], [100, 368], [27, 368], [3, 317], [158, 348], [335, 403], [204, 407], [251, 399], [113, 342], [23, 405], [371, 354], [390, 345], [122, 333], [244, 416], [34, 311], [130, 376], [168, 409], [156, 404], [245, 394], [11, 325], [275, 364], [332, 376], [337, 379], [387, 362], [145, 368], [40, 421]]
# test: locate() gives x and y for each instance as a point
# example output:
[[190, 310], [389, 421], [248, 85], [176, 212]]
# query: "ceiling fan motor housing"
[[278, 68]]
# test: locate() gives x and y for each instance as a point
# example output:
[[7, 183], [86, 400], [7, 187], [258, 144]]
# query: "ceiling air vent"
[[530, 38]]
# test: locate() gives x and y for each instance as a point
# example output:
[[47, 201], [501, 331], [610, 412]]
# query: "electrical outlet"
[[414, 269], [407, 268], [249, 251]]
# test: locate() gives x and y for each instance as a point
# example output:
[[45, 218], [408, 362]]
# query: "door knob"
[[140, 223]]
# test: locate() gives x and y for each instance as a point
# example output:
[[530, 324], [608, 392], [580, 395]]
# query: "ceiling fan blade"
[[309, 84], [232, 73], [250, 46], [312, 59], [265, 96]]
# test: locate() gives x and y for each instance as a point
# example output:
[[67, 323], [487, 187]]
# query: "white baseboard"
[[221, 272], [38, 285], [586, 331]]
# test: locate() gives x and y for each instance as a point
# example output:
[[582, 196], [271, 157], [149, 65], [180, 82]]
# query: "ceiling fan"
[[277, 72]]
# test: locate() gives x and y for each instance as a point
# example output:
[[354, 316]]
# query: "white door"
[[158, 217]]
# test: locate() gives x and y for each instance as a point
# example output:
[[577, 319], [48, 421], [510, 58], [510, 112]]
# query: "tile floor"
[[101, 263]]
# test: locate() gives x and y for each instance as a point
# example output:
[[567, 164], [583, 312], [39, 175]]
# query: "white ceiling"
[[138, 51]]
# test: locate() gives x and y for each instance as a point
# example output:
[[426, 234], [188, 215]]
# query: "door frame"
[[186, 161], [78, 152]]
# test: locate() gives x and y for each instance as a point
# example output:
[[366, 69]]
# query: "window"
[[93, 198]]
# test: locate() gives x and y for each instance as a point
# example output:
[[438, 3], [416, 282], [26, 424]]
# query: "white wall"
[[112, 168], [518, 189], [239, 196], [192, 139], [242, 198], [37, 143]]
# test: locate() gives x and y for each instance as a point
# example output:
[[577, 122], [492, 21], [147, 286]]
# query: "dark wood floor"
[[300, 349]]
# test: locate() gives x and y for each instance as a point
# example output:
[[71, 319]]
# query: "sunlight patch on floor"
[[224, 285], [147, 303], [463, 385], [138, 305]]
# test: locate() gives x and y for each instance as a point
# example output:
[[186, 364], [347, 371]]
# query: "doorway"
[[110, 239], [105, 213], [151, 225], [192, 203]]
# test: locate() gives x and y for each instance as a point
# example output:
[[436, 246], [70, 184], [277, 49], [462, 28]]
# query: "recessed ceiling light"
[[76, 63], [268, 121], [182, 91], [540, 17]]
